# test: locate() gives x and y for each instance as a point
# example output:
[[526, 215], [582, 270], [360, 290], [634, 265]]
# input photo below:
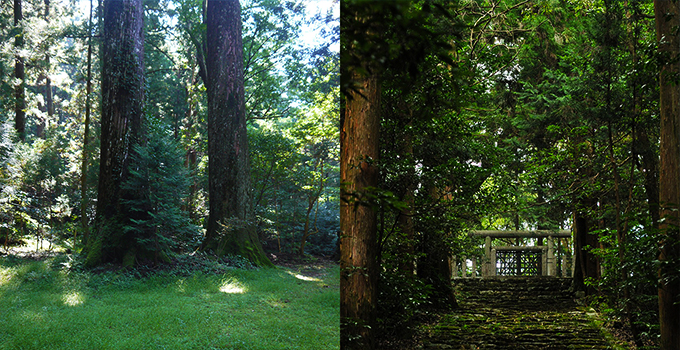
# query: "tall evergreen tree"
[[19, 74], [667, 15], [230, 224], [122, 98]]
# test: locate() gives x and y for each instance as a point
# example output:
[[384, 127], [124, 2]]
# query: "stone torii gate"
[[517, 260]]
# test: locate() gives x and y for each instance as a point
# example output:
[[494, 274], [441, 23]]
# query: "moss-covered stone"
[[529, 313]]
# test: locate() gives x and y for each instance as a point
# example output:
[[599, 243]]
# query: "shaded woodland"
[[508, 115]]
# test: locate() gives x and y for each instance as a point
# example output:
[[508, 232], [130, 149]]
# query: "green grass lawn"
[[44, 305]]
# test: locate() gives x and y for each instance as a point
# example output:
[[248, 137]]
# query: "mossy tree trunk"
[[122, 98], [667, 15], [230, 223]]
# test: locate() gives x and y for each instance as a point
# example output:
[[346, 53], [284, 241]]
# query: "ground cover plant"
[[51, 303]]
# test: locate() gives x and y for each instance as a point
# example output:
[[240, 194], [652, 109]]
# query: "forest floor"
[[519, 314], [193, 303]]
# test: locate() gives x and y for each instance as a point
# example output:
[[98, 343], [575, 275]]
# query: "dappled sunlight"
[[73, 298], [5, 276], [34, 316], [181, 285], [303, 277], [276, 302], [232, 286]]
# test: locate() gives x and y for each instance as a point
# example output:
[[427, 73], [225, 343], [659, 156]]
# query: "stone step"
[[516, 313]]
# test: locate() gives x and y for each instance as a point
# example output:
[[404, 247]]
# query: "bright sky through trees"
[[309, 36]]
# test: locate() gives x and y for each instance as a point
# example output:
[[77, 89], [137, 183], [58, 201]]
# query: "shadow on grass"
[[48, 305]]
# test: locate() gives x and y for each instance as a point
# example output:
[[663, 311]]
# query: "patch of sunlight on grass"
[[303, 277], [73, 298], [181, 286], [276, 302], [232, 286], [5, 276], [34, 316]]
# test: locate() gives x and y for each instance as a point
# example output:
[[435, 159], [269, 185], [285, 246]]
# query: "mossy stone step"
[[516, 313]]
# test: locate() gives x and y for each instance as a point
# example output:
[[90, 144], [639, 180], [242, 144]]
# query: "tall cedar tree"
[[122, 97], [230, 222], [19, 94], [359, 150], [667, 22]]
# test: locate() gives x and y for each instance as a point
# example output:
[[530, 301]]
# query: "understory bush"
[[159, 182], [630, 304]]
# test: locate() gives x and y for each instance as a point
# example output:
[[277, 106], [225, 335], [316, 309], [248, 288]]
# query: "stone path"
[[517, 313]]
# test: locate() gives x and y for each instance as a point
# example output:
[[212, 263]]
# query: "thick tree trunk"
[[586, 263], [667, 22], [122, 99], [359, 149], [19, 74], [230, 224]]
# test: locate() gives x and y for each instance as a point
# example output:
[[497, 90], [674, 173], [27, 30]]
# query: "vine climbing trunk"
[[667, 15], [230, 223]]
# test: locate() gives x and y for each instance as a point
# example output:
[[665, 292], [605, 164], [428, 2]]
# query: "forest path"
[[517, 313]]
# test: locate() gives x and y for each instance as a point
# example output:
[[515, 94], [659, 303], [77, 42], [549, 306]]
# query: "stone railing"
[[513, 260]]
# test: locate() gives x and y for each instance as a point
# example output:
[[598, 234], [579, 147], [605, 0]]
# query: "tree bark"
[[230, 224], [359, 149], [122, 99], [19, 74], [667, 22], [86, 134], [586, 263]]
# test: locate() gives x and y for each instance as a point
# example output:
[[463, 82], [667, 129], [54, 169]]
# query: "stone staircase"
[[516, 313]]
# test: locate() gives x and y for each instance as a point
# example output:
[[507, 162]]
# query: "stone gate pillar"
[[486, 267], [552, 266]]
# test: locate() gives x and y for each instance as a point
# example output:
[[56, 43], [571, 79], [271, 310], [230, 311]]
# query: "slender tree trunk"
[[19, 74], [667, 23], [49, 104], [359, 149], [230, 224], [405, 216], [311, 201], [122, 99], [86, 140]]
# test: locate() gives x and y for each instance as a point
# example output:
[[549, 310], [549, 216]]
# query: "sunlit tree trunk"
[[667, 24], [19, 87], [359, 149], [49, 105], [122, 99], [230, 224]]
